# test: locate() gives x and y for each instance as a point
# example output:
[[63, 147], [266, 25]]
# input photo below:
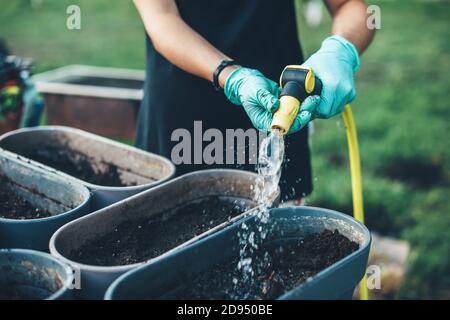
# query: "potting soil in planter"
[[13, 206], [281, 267], [76, 164], [145, 238], [35, 284]]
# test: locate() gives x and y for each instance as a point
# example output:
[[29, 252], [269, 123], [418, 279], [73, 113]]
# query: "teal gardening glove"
[[257, 94], [259, 97], [335, 65]]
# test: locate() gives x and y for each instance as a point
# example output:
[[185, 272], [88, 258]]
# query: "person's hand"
[[335, 65], [257, 94], [305, 114]]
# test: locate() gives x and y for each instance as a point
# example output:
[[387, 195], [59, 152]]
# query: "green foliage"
[[402, 113], [402, 116], [430, 238], [111, 33]]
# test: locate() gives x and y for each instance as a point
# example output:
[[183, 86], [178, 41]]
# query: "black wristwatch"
[[222, 65]]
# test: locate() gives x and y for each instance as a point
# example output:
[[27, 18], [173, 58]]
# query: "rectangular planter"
[[66, 199], [103, 101], [33, 275], [144, 169], [149, 204], [160, 279]]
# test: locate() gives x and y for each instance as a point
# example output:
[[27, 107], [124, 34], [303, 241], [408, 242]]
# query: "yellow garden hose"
[[355, 171]]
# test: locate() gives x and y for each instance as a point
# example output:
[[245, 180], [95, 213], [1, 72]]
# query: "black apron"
[[259, 34]]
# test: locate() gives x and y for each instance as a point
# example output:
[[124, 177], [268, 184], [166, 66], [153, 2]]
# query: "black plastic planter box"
[[100, 100], [33, 275], [158, 279], [150, 204], [145, 170], [65, 198]]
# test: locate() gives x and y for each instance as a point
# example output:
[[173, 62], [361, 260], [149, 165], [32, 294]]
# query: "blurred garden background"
[[402, 112]]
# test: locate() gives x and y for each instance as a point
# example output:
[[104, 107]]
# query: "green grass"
[[402, 113], [111, 33]]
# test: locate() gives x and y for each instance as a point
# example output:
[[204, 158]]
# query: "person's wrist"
[[337, 41], [224, 64], [231, 85], [226, 72]]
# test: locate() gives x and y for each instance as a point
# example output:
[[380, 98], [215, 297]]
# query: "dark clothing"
[[259, 34]]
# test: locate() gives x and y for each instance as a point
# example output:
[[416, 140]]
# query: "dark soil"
[[106, 82], [76, 164], [12, 206], [13, 291], [292, 263], [142, 239], [25, 281]]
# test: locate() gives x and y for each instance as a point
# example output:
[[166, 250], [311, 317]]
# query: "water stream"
[[270, 160]]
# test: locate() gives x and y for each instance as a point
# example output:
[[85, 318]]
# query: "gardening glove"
[[335, 65], [305, 114], [257, 94]]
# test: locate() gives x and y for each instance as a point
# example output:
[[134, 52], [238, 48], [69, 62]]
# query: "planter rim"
[[86, 193], [122, 73], [69, 272], [338, 215], [92, 186], [362, 246], [50, 82], [122, 268]]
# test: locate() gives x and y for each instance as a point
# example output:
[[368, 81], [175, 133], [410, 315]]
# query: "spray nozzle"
[[298, 83]]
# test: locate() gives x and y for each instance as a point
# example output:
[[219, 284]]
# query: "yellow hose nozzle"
[[285, 115], [298, 83]]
